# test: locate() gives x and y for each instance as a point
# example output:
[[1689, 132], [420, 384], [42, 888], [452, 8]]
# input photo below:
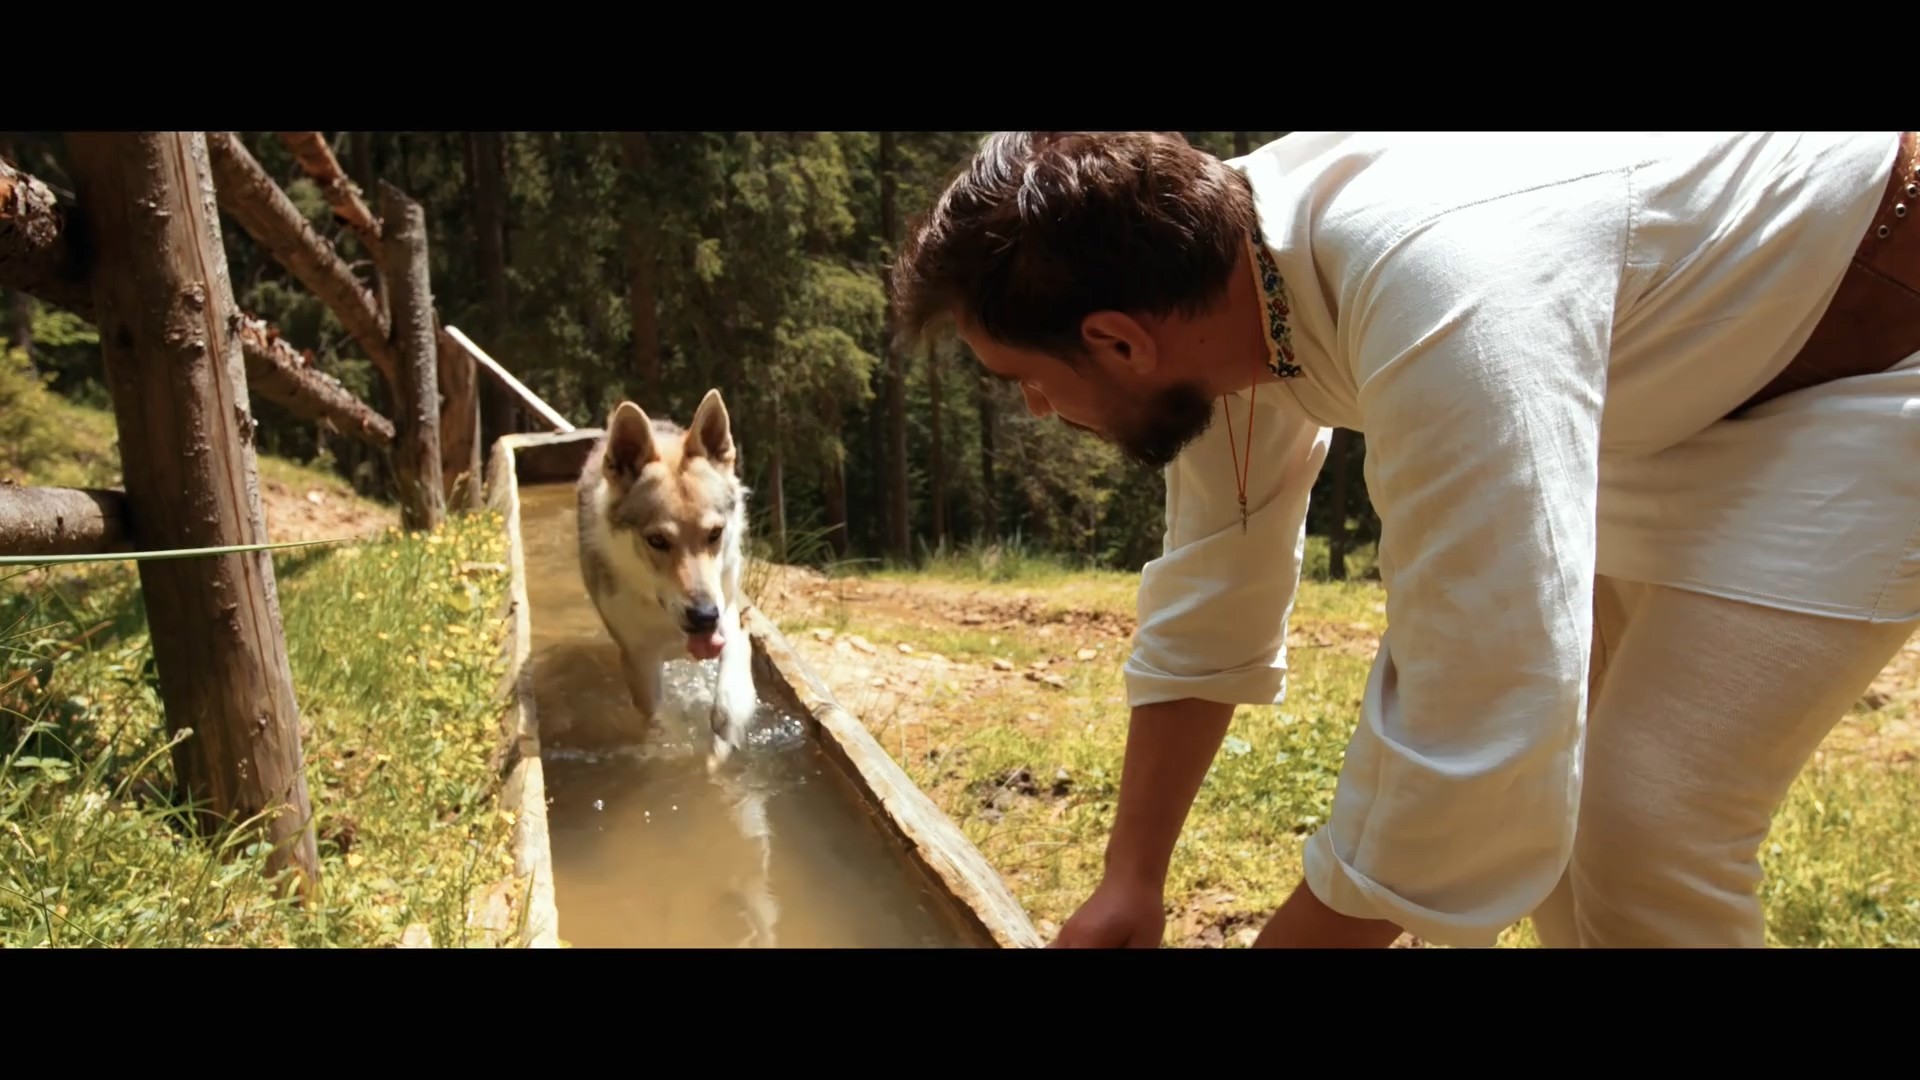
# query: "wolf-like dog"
[[662, 541]]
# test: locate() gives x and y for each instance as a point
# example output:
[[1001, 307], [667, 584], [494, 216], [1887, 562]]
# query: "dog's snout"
[[702, 616]]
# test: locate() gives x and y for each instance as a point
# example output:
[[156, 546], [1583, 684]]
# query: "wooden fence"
[[138, 253]]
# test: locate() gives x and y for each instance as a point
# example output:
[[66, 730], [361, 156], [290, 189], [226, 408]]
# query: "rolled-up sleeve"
[[1480, 347], [1213, 608]]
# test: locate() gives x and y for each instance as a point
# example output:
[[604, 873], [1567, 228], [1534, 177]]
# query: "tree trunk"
[[1240, 144], [939, 463], [416, 414], [777, 481], [989, 449], [166, 316], [1338, 452], [486, 152], [836, 496], [20, 333], [252, 198], [877, 525], [642, 256], [486, 163], [899, 524], [62, 521]]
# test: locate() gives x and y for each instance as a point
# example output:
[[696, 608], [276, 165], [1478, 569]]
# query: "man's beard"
[[1176, 416]]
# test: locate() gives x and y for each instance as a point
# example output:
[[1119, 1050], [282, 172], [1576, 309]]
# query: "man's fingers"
[[1073, 936]]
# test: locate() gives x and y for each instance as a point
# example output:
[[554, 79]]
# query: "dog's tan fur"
[[662, 534]]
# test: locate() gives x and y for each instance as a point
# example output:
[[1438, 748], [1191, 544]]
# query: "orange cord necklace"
[[1240, 474]]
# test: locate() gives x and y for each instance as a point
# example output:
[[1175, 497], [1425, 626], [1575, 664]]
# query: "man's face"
[[1103, 394]]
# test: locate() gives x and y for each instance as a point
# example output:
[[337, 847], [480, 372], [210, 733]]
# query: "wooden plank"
[[62, 521], [929, 835], [525, 790], [166, 314], [532, 400], [553, 457]]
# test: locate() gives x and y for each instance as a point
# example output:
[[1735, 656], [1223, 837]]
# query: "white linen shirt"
[[1539, 336]]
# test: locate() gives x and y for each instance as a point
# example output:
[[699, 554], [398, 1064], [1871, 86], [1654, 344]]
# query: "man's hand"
[[1169, 746], [1120, 915]]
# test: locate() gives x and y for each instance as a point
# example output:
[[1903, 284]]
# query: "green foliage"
[[66, 349], [56, 329], [395, 653], [46, 440]]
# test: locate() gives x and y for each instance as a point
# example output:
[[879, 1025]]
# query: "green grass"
[[394, 648], [1030, 772], [299, 477], [48, 441], [1272, 782], [1012, 563], [1841, 863]]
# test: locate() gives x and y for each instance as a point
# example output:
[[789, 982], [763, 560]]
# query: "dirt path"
[[1881, 727], [877, 644], [313, 510], [1045, 619]]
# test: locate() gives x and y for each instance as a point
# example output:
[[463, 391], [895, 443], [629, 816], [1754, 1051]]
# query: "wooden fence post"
[[170, 339], [416, 416], [459, 424]]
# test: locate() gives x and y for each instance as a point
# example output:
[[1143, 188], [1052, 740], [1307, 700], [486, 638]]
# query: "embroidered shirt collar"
[[1273, 288]]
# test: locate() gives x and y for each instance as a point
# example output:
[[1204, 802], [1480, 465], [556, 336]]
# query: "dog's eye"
[[657, 542], [714, 536]]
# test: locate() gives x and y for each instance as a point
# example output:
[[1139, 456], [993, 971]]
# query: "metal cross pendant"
[[1243, 513]]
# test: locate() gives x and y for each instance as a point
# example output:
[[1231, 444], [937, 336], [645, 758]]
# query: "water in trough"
[[648, 851]]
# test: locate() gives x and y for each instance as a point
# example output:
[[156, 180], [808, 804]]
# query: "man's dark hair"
[[1042, 228]]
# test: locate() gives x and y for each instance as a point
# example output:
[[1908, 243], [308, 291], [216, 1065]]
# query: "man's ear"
[[1121, 339]]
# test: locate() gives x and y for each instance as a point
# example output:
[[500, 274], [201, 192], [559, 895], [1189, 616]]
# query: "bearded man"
[[1641, 416]]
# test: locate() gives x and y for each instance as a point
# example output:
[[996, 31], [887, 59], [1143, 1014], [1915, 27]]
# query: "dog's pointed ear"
[[711, 435], [629, 441]]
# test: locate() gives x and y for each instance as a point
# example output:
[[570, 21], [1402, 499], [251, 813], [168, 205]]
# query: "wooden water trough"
[[931, 848]]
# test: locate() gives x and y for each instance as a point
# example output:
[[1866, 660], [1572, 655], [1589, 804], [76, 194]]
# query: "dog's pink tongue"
[[705, 646]]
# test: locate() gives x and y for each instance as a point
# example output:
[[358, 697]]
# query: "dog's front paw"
[[718, 751], [733, 713]]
